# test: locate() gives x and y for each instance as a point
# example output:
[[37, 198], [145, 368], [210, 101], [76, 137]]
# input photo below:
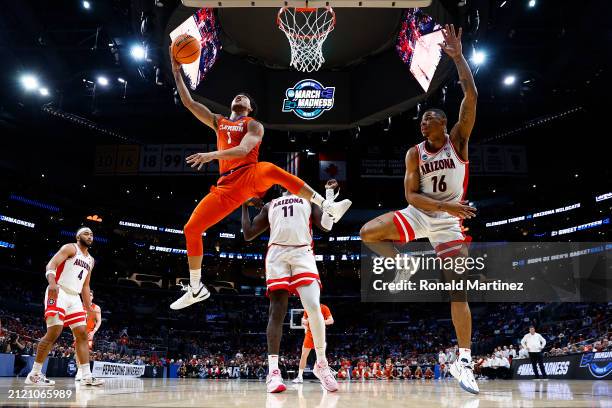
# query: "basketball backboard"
[[314, 3]]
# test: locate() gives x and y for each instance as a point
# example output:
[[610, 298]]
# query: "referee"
[[534, 343]]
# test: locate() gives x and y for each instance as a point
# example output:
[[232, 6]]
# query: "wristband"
[[50, 272]]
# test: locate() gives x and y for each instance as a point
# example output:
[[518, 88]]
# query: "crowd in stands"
[[355, 351]]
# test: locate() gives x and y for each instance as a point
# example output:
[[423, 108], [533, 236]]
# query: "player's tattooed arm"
[[462, 130], [252, 229], [422, 202]]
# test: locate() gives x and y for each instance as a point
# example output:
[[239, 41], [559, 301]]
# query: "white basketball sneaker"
[[78, 377], [322, 371], [39, 380], [298, 380], [274, 382], [404, 274], [92, 381], [190, 297], [336, 210], [461, 369]]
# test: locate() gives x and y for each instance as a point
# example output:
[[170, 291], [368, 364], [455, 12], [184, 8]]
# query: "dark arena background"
[[94, 135]]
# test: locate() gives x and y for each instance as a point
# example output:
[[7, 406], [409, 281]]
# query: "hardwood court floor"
[[374, 394]]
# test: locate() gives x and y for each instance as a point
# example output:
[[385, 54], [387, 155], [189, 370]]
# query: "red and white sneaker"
[[322, 371], [39, 380], [274, 382]]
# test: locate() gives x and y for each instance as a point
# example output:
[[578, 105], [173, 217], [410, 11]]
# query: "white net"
[[306, 29]]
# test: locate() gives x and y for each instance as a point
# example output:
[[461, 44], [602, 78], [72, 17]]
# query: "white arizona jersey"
[[71, 273], [444, 175], [289, 218]]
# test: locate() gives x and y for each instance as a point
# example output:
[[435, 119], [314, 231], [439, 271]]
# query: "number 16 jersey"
[[290, 222], [443, 174]]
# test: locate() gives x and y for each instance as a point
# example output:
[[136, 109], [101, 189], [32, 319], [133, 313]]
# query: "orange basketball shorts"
[[229, 193], [308, 341]]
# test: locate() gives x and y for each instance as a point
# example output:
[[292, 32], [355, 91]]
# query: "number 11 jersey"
[[290, 222]]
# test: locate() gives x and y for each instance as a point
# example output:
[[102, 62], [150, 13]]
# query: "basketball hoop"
[[306, 29]]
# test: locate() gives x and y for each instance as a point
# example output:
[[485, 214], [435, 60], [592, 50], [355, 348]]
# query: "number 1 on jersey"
[[229, 138]]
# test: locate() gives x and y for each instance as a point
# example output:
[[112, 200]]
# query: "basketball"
[[185, 49]]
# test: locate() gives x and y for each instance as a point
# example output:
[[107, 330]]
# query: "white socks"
[[36, 368], [465, 353], [85, 370], [272, 362], [301, 373], [195, 276], [317, 199], [309, 295]]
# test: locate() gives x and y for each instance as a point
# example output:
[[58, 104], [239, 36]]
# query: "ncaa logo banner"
[[308, 99]]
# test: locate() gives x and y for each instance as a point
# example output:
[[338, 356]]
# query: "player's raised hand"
[[176, 67], [459, 209], [452, 41], [331, 183], [199, 159]]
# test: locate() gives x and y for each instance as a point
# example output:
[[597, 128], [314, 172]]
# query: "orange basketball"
[[185, 49]]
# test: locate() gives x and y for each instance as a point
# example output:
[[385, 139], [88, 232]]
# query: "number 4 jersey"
[[71, 273], [289, 218]]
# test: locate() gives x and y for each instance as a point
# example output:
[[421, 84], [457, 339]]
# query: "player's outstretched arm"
[[460, 133], [252, 229], [422, 202], [200, 111], [254, 135]]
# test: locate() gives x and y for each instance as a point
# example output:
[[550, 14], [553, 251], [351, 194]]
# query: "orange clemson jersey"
[[230, 134]]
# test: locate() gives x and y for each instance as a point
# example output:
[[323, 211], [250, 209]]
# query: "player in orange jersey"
[[241, 177], [94, 320], [308, 344]]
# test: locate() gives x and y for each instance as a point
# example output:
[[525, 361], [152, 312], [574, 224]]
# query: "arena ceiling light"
[[509, 80], [532, 3], [43, 91], [86, 5], [29, 82], [478, 57], [138, 52], [102, 80]]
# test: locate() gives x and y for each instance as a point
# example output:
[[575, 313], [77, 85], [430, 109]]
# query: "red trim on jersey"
[[59, 270], [457, 153], [401, 221]]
